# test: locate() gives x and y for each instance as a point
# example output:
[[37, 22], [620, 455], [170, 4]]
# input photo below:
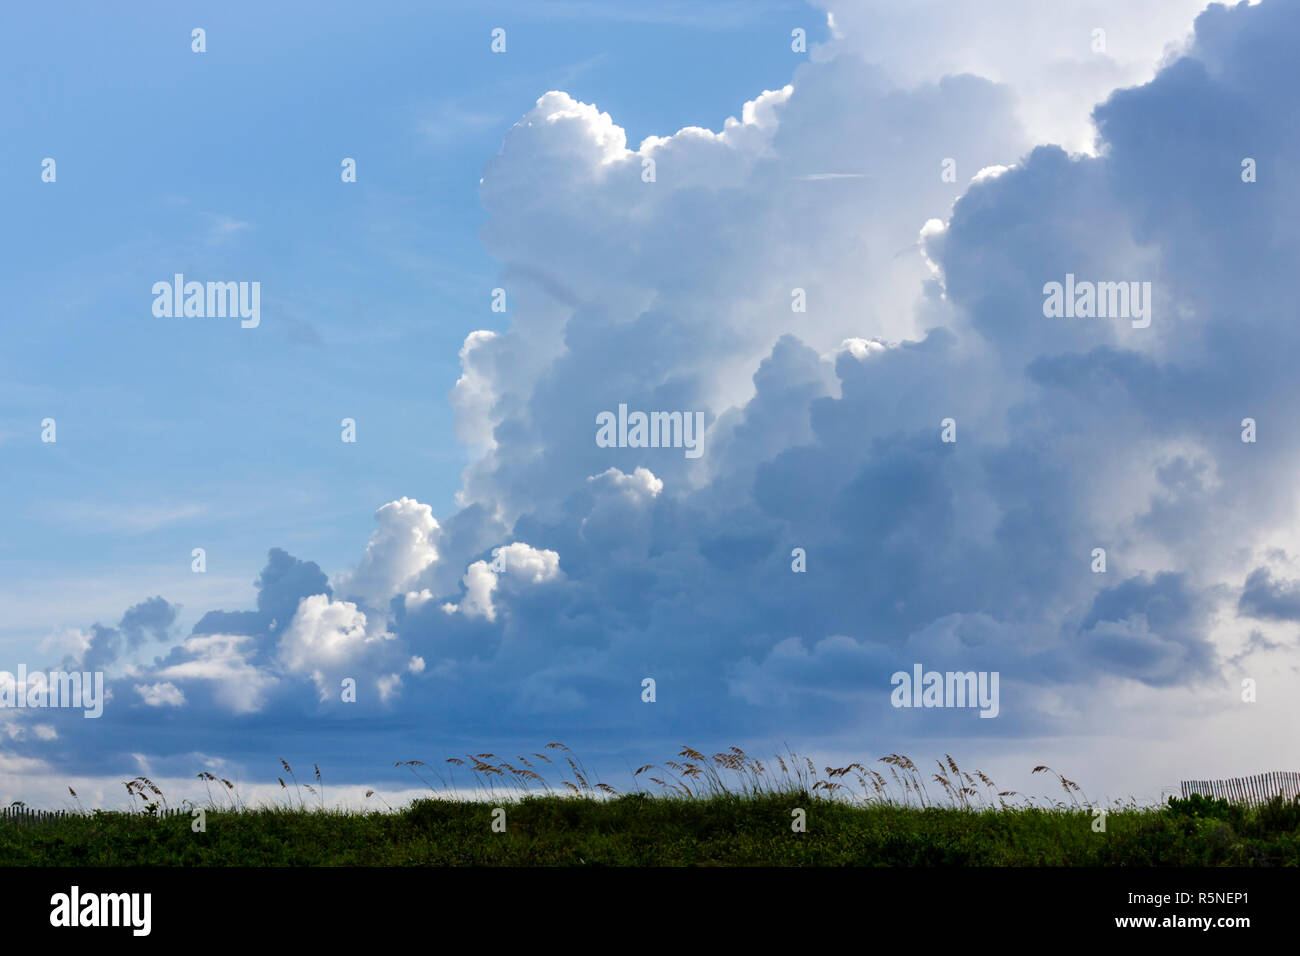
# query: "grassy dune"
[[639, 830], [729, 809]]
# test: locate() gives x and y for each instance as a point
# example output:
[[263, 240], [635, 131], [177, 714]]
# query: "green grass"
[[727, 809], [644, 830]]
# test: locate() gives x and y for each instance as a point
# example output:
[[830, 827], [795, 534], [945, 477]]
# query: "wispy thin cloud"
[[129, 519], [450, 120], [722, 15], [819, 177], [224, 227]]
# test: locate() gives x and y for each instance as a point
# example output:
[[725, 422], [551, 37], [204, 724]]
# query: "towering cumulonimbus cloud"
[[809, 280]]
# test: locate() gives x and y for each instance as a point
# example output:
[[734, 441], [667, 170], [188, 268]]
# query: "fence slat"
[[1253, 790]]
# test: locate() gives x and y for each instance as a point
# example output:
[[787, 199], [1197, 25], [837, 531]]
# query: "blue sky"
[[227, 164], [774, 171]]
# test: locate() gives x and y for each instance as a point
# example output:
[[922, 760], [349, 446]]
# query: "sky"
[[825, 231]]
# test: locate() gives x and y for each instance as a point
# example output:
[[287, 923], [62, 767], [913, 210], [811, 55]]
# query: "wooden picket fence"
[[24, 815], [30, 815], [1249, 790]]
